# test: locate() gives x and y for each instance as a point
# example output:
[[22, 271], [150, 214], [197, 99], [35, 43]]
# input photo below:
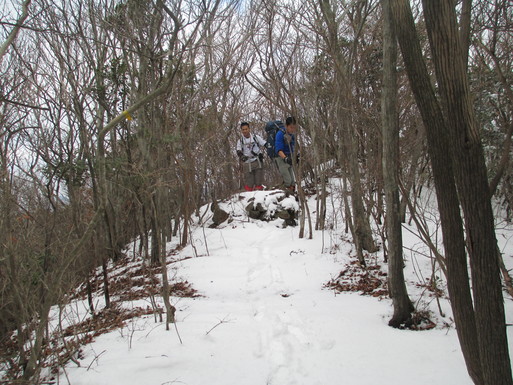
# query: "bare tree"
[[397, 286], [472, 182], [474, 343], [11, 37], [348, 151]]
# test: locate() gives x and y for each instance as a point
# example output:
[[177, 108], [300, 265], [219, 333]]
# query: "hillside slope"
[[265, 317]]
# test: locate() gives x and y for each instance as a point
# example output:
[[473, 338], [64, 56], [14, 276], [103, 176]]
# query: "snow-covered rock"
[[269, 205]]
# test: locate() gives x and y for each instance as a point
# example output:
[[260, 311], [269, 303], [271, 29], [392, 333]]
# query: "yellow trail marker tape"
[[127, 115]]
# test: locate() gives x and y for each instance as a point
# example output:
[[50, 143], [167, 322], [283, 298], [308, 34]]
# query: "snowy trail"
[[298, 333], [281, 336], [273, 281], [265, 319]]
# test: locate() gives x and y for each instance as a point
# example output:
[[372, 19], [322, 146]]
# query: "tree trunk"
[[362, 233], [472, 181], [105, 274], [361, 218], [397, 287], [35, 352], [162, 251], [448, 203], [410, 180]]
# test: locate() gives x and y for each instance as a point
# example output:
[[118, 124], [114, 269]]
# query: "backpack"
[[271, 128]]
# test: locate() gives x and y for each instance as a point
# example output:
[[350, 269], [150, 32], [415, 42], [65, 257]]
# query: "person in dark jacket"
[[285, 144], [251, 155]]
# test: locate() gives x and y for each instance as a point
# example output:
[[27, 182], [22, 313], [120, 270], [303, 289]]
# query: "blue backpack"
[[271, 128]]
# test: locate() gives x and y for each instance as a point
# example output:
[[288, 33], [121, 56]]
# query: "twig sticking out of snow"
[[223, 321]]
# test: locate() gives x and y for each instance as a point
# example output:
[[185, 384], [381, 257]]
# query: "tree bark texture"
[[472, 182], [447, 198], [396, 284]]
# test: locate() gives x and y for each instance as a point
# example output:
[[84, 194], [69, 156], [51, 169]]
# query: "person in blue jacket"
[[285, 144]]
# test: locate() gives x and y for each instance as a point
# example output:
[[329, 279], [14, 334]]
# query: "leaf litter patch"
[[135, 280], [372, 281], [129, 280]]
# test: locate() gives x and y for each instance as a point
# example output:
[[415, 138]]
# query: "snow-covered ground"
[[265, 317]]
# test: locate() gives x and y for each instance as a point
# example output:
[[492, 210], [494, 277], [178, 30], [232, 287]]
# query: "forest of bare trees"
[[118, 120]]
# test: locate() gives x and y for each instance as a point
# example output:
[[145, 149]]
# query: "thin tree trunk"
[[361, 230], [504, 161], [170, 309], [89, 290], [361, 219], [410, 181], [35, 352], [305, 210], [397, 287], [105, 274]]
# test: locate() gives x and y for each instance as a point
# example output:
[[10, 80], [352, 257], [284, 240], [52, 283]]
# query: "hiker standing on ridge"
[[285, 143], [251, 156]]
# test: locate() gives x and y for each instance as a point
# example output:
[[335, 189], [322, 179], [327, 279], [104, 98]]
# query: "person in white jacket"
[[249, 150]]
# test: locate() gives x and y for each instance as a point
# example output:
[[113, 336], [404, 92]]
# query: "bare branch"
[[14, 33]]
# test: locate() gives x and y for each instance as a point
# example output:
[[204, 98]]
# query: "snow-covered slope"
[[265, 317]]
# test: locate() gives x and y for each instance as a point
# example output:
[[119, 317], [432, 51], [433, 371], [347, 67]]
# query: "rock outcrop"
[[270, 205]]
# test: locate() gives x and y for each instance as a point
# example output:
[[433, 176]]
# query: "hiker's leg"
[[255, 167], [285, 171], [248, 177], [259, 178], [292, 176], [279, 164]]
